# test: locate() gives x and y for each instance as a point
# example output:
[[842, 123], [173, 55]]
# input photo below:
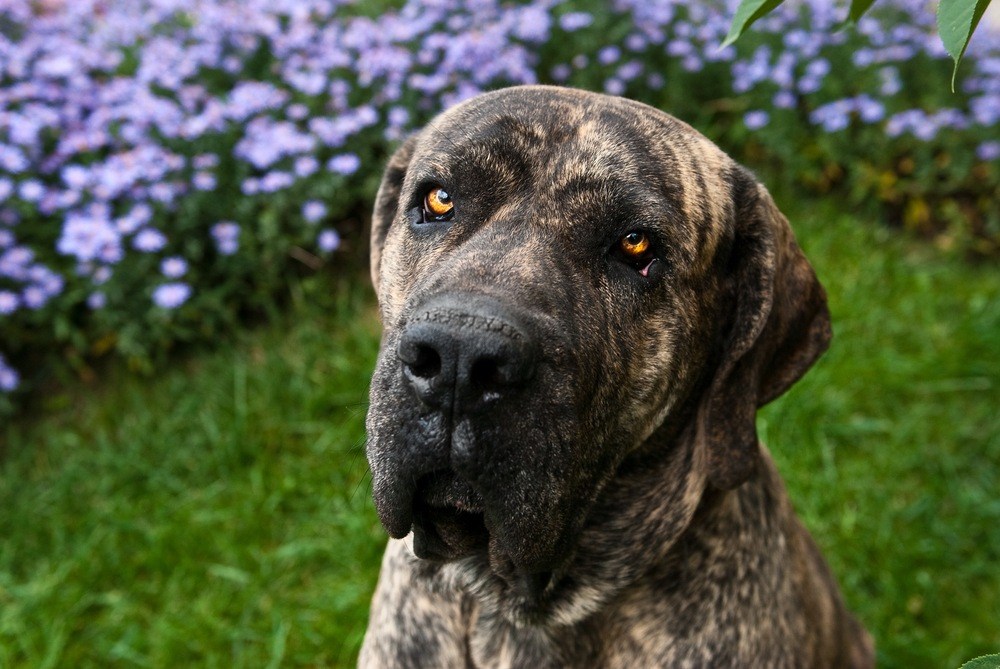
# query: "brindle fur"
[[632, 518]]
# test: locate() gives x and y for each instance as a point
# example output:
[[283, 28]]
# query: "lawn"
[[218, 514]]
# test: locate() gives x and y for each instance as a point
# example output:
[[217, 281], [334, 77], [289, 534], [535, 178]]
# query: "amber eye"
[[438, 205], [634, 245]]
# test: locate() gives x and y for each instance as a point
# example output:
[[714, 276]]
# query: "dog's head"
[[562, 275]]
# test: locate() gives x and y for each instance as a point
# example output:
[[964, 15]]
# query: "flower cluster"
[[163, 162]]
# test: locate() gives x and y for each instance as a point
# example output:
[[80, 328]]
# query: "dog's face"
[[562, 275]]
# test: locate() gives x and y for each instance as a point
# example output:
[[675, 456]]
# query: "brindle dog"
[[584, 303]]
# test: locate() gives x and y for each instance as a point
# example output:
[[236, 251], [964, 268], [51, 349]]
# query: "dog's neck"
[[652, 552], [652, 514]]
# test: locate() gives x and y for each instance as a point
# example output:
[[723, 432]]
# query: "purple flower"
[[9, 302], [328, 240], [614, 86], [692, 64], [101, 275], [635, 42], [630, 70], [204, 181], [313, 211], [227, 237], [76, 177], [890, 83], [561, 72], [297, 111], [608, 55], [809, 85], [784, 100], [986, 109], [272, 182], [756, 119], [250, 186], [97, 300], [398, 117], [12, 159], [205, 161], [903, 121], [869, 109], [863, 58], [533, 24], [834, 116], [31, 190], [173, 267], [89, 235], [252, 97], [138, 216], [9, 379], [573, 21], [305, 166], [171, 295], [14, 262], [345, 163], [818, 68], [149, 240], [988, 151], [679, 47], [925, 128], [34, 297]]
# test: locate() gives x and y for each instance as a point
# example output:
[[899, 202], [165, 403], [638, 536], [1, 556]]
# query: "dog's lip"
[[448, 519], [444, 490], [447, 533]]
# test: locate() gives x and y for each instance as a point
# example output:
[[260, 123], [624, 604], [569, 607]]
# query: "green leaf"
[[748, 12], [858, 8], [984, 662], [957, 20]]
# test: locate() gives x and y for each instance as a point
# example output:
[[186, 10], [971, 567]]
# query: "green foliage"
[[219, 515], [984, 662], [746, 14], [957, 20], [858, 9]]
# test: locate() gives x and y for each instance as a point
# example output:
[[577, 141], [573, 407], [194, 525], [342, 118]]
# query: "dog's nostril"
[[424, 363], [485, 374]]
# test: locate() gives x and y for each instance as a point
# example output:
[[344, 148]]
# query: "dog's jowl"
[[584, 303]]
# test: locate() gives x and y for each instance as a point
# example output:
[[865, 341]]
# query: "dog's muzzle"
[[461, 357]]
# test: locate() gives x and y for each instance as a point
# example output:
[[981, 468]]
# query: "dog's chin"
[[449, 525], [448, 521]]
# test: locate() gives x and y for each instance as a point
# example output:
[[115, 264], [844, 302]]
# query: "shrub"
[[166, 164]]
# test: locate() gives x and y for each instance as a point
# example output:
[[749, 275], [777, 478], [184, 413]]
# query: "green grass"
[[218, 514]]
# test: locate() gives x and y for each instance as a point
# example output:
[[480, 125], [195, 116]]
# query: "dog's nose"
[[465, 354]]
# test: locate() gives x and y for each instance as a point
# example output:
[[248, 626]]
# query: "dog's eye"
[[438, 205], [636, 249], [634, 245]]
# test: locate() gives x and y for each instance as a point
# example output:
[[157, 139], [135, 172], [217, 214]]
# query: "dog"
[[584, 302]]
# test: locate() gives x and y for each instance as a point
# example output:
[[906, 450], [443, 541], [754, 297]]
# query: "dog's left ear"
[[387, 203], [780, 326]]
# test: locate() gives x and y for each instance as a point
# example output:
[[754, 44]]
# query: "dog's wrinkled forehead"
[[559, 144]]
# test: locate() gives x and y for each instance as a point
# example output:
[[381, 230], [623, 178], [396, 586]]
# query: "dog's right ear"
[[387, 203], [780, 326]]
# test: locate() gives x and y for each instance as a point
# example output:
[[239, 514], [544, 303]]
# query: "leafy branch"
[[957, 21]]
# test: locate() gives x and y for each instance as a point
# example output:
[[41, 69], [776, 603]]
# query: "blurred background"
[[187, 329]]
